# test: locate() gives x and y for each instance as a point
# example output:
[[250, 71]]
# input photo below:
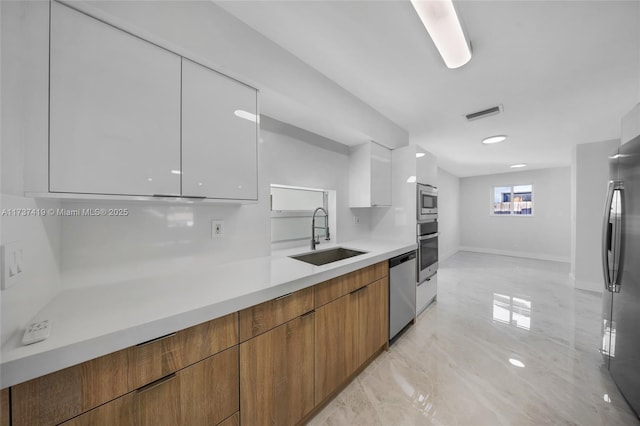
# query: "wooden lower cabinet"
[[205, 393], [4, 407], [276, 374], [56, 397], [349, 331], [232, 421], [373, 319], [335, 350]]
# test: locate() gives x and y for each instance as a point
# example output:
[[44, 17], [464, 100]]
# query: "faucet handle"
[[326, 236]]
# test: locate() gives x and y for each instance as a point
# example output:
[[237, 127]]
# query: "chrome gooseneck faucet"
[[316, 240]]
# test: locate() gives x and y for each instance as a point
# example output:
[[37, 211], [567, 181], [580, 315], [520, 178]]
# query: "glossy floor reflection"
[[509, 342]]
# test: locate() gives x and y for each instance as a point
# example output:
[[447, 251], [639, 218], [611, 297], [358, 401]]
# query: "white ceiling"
[[565, 71]]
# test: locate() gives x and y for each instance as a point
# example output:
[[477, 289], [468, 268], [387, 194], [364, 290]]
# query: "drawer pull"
[[307, 314], [359, 289], [156, 383], [166, 336], [283, 296]]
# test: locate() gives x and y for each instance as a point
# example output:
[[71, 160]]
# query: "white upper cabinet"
[[219, 135], [114, 110], [369, 176]]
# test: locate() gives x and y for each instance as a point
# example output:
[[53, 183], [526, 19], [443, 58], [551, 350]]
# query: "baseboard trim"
[[526, 255], [444, 256], [590, 286]]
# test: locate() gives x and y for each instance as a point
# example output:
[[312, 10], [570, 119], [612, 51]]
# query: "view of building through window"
[[513, 200]]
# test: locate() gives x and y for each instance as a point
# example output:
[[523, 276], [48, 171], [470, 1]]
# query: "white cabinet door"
[[380, 175], [369, 175], [219, 135], [114, 110]]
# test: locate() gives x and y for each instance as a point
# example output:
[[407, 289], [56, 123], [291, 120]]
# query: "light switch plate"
[[12, 259]]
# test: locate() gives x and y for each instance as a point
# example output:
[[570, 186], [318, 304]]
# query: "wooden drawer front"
[[4, 407], [337, 287], [232, 421], [205, 393], [157, 358], [58, 396], [270, 314]]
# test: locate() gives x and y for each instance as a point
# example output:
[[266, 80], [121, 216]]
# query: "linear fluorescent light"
[[246, 115], [441, 21], [494, 139], [517, 166]]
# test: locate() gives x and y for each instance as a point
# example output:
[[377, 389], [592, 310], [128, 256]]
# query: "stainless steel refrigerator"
[[621, 267]]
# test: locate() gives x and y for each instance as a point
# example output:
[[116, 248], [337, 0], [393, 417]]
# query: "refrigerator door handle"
[[618, 188], [606, 237]]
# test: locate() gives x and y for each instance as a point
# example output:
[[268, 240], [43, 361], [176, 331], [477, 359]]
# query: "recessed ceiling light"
[[420, 154], [176, 172], [494, 139], [411, 179], [516, 362], [517, 166]]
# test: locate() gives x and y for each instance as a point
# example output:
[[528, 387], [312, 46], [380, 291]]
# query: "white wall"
[[23, 97], [591, 178], [545, 235], [448, 214], [295, 157]]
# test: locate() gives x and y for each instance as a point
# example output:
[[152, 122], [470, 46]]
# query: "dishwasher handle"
[[398, 260]]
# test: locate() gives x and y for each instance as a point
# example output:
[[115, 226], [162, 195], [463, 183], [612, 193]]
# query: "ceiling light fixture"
[[494, 139], [442, 24], [517, 166], [411, 179], [420, 154]]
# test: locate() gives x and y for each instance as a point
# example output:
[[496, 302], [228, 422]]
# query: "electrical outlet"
[[356, 220], [11, 256], [217, 228]]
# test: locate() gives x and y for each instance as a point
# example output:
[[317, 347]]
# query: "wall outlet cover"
[[217, 228]]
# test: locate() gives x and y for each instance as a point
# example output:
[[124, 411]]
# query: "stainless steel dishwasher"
[[402, 292]]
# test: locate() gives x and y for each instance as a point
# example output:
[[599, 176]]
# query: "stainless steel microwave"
[[427, 202]]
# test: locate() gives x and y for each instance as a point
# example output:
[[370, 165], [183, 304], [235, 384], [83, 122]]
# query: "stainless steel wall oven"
[[427, 234]]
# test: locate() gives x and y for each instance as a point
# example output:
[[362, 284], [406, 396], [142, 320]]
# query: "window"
[[291, 212], [513, 200]]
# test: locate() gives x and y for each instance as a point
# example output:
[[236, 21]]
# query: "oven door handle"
[[428, 237]]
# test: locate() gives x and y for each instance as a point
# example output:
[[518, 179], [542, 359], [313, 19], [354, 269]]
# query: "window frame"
[[296, 213], [511, 214]]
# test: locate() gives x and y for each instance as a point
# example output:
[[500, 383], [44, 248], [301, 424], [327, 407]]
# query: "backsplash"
[[156, 238]]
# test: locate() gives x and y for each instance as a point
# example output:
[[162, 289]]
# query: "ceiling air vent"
[[484, 113]]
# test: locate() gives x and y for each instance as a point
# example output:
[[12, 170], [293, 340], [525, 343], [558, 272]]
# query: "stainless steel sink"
[[323, 257]]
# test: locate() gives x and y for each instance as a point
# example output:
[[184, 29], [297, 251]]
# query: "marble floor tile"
[[509, 341]]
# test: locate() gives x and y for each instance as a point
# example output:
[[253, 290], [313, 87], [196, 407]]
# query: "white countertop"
[[94, 321]]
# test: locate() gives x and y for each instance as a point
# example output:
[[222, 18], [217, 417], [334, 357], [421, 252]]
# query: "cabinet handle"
[[359, 289], [307, 314], [166, 336], [165, 196], [284, 296], [157, 383]]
